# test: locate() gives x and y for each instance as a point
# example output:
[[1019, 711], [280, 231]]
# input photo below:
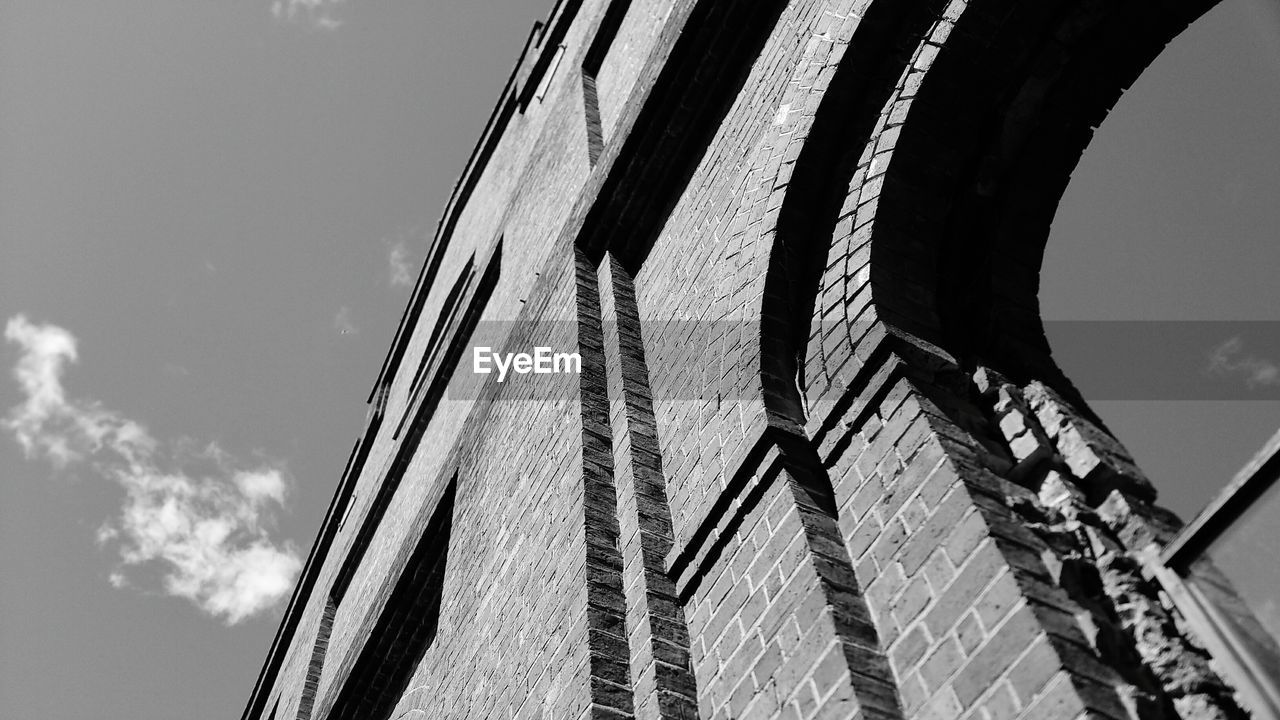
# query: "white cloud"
[[316, 13], [47, 423], [207, 532], [401, 268], [344, 323], [1229, 358]]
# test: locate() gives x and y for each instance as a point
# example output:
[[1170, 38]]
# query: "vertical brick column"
[[864, 688], [609, 658], [781, 629], [985, 522], [957, 585], [656, 629]]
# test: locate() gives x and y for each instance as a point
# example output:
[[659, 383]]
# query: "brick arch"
[[920, 203], [798, 258], [994, 114], [901, 290]]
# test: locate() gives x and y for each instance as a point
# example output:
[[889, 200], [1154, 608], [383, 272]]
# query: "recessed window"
[[405, 629]]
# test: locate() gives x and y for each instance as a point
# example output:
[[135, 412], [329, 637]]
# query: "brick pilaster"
[[609, 664], [659, 638]]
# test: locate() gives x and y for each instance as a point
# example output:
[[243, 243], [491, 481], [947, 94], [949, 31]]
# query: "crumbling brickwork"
[[818, 461]]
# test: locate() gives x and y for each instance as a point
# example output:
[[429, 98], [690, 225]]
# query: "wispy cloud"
[[195, 516], [47, 423], [401, 269], [318, 14], [344, 323], [1230, 358]]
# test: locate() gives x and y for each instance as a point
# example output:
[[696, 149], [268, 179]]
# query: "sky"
[[1172, 216], [210, 217]]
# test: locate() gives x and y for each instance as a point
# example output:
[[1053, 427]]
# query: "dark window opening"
[[405, 629]]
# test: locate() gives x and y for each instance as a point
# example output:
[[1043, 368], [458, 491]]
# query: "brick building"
[[817, 461]]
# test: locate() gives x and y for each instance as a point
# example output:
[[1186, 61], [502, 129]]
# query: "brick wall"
[[819, 462]]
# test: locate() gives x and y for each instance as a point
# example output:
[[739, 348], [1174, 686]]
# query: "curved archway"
[[810, 214], [982, 159], [1162, 251], [923, 325]]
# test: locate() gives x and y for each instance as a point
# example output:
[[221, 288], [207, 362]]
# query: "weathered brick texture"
[[818, 461]]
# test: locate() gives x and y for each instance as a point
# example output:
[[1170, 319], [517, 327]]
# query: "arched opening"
[[1170, 226], [938, 246], [1163, 252]]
